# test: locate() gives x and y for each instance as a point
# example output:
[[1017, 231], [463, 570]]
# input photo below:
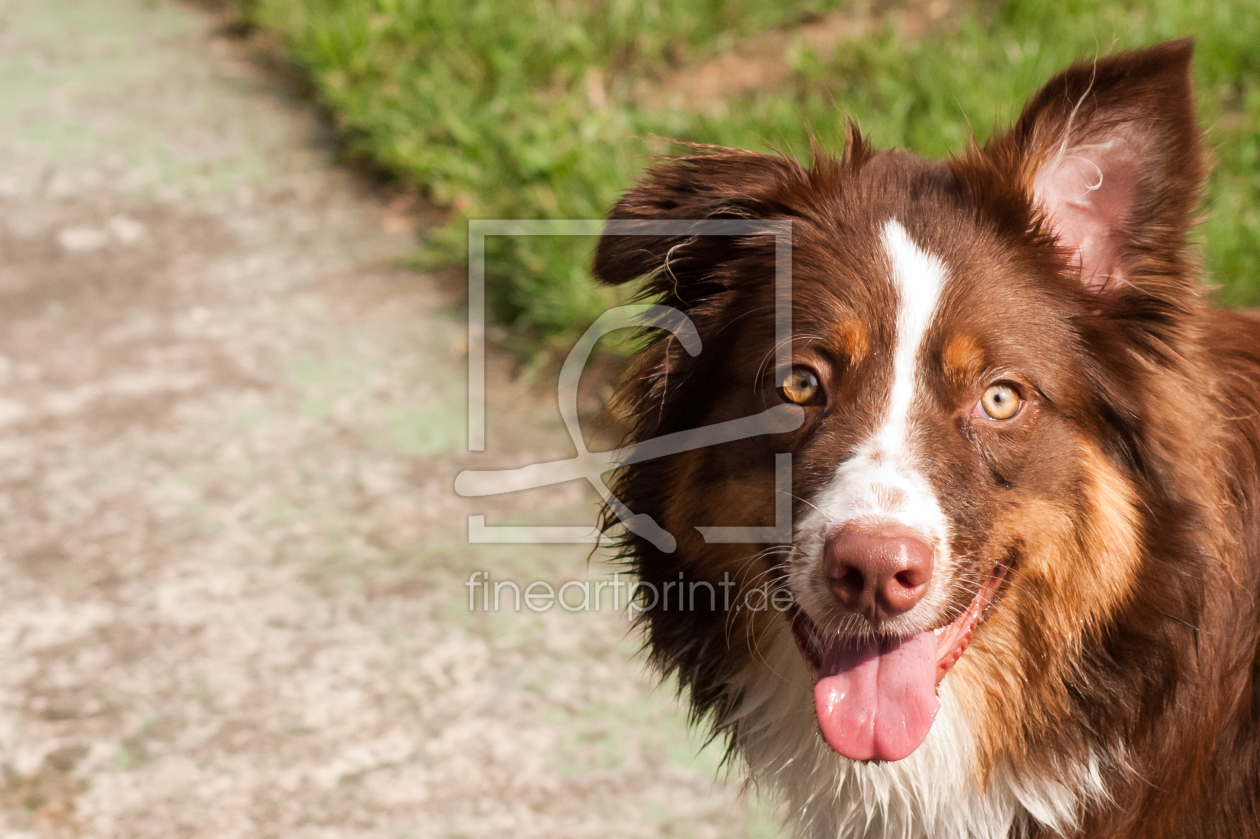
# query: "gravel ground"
[[232, 570]]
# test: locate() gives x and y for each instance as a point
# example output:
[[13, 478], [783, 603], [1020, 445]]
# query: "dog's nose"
[[879, 572]]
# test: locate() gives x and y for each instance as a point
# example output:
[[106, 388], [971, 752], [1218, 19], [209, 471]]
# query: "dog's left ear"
[[1109, 152], [682, 269]]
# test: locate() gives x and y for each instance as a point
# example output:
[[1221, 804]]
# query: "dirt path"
[[232, 583]]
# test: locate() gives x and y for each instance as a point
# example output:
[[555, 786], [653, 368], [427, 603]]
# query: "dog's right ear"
[[681, 267], [1110, 154]]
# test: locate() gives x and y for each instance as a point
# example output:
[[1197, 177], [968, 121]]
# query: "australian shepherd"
[[1019, 587]]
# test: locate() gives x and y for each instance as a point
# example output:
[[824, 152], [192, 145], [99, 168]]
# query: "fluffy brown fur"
[[1122, 500]]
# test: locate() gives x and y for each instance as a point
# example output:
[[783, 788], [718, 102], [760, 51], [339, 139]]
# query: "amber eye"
[[801, 386], [999, 402]]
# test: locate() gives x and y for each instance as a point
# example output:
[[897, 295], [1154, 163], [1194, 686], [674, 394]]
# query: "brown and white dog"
[[1025, 548]]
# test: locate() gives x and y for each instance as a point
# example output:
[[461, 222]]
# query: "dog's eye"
[[801, 386], [999, 402]]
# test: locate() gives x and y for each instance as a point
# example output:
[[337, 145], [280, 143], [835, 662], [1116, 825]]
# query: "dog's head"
[[981, 350]]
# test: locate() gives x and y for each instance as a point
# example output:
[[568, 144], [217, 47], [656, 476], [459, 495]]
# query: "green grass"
[[505, 109]]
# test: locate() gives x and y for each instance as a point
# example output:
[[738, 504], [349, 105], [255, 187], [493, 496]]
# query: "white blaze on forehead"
[[918, 278], [884, 480]]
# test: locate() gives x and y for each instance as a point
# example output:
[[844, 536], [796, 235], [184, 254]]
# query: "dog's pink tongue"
[[878, 702]]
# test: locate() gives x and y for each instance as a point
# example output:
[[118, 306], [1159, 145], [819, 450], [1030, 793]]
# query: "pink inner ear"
[[1087, 193]]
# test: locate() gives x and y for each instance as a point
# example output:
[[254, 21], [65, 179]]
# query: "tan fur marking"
[[964, 359], [853, 340], [1074, 575]]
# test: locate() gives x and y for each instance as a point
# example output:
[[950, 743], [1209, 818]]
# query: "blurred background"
[[232, 380]]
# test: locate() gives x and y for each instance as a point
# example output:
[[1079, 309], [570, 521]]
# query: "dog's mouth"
[[876, 698]]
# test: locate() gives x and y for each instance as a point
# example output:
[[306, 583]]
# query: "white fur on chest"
[[932, 793]]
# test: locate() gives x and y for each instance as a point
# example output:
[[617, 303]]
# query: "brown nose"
[[879, 572]]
